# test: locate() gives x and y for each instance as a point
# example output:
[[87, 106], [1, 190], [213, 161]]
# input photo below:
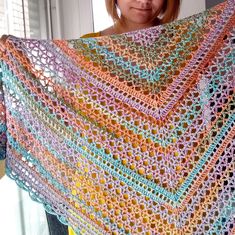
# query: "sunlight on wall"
[[101, 18]]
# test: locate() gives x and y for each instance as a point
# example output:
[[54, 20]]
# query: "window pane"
[[36, 18], [3, 19], [30, 21]]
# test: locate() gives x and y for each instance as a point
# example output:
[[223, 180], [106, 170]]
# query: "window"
[[23, 18], [19, 214]]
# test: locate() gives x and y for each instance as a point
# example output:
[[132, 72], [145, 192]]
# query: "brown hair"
[[168, 13]]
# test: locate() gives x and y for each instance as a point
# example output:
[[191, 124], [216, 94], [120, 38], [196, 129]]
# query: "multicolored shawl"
[[126, 134]]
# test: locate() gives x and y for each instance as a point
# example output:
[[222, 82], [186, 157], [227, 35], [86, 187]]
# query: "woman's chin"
[[142, 23]]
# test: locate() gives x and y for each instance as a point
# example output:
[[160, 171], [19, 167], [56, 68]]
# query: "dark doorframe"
[[211, 3]]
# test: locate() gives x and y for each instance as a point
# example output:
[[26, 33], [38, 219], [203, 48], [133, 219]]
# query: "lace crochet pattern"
[[126, 134]]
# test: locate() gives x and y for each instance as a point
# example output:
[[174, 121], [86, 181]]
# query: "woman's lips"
[[142, 9]]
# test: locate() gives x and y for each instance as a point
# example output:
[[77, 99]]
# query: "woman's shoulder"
[[105, 32], [91, 35]]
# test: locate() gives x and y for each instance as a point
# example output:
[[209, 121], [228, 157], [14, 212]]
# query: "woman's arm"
[[2, 168]]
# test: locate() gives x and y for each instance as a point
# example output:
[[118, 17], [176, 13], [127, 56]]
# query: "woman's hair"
[[168, 13]]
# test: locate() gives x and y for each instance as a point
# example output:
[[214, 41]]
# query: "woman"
[[131, 15]]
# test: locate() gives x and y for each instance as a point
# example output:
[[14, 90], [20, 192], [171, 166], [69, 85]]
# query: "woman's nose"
[[144, 2]]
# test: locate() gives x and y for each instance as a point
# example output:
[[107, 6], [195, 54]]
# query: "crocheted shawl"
[[126, 134]]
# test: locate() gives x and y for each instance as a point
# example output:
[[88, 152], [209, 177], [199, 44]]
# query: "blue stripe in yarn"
[[205, 158], [144, 74], [48, 176], [224, 217], [35, 162], [3, 128]]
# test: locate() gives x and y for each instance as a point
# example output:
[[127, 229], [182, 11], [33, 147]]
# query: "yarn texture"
[[126, 134]]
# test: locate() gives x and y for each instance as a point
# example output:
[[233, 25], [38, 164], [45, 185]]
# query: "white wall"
[[71, 18], [101, 18], [191, 7]]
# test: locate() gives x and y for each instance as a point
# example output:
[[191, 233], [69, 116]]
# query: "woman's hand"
[[2, 168], [3, 38]]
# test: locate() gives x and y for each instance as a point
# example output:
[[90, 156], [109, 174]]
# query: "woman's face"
[[139, 11]]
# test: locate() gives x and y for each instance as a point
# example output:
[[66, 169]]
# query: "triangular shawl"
[[126, 134]]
